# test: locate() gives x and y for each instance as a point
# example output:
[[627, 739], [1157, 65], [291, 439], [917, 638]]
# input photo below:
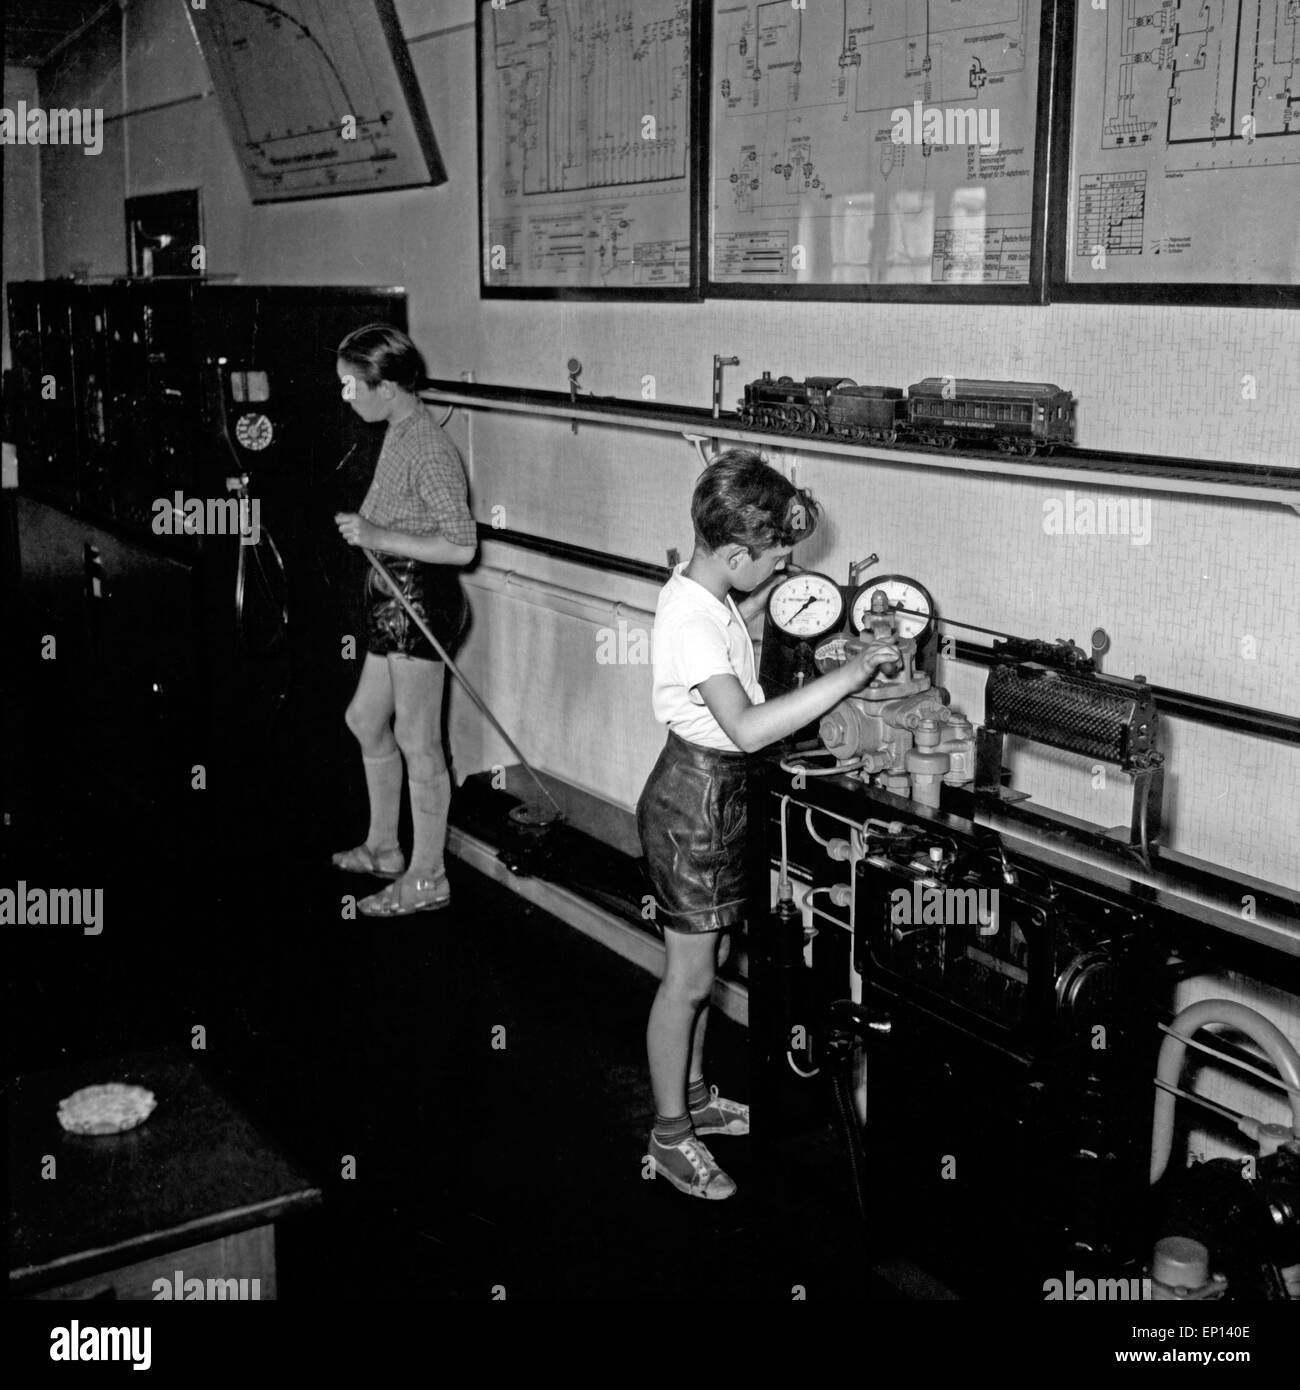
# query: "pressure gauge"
[[834, 652], [909, 601], [254, 431], [806, 605]]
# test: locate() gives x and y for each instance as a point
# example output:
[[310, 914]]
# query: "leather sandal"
[[430, 895], [381, 863]]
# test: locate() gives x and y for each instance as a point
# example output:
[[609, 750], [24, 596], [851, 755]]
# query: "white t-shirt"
[[695, 637]]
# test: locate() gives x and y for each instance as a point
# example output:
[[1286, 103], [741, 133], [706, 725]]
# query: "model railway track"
[[701, 421]]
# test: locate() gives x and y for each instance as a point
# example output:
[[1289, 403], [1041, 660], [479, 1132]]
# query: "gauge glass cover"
[[902, 593], [806, 605]]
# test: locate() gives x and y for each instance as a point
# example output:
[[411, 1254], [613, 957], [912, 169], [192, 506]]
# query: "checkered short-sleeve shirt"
[[419, 484]]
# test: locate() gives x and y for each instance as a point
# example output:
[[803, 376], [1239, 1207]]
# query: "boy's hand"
[[863, 665], [756, 600], [356, 530]]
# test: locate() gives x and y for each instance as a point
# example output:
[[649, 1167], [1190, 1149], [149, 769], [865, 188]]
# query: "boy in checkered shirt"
[[416, 518]]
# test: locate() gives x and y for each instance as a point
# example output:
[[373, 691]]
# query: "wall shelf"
[[1143, 473]]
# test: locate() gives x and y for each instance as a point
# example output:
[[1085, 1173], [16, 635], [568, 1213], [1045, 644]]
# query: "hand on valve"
[[876, 657]]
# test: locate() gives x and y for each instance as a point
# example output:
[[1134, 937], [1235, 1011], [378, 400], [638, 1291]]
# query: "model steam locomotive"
[[1013, 416]]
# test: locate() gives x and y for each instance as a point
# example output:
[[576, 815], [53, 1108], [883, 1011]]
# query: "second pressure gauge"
[[806, 605], [908, 600]]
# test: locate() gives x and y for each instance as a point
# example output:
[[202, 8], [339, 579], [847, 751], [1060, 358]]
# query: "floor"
[[484, 1066]]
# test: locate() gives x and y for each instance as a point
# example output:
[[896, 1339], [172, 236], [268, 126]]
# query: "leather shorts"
[[691, 818], [432, 590]]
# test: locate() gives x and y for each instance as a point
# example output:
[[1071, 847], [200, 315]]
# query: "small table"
[[189, 1195]]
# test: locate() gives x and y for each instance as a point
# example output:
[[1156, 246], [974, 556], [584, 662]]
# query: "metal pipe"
[[555, 598], [1172, 1051]]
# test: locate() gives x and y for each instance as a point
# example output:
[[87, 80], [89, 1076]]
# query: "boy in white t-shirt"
[[691, 814]]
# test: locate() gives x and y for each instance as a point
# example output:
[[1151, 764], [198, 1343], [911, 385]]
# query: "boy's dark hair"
[[740, 500], [380, 352]]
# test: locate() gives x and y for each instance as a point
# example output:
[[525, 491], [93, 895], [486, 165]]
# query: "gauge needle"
[[811, 599]]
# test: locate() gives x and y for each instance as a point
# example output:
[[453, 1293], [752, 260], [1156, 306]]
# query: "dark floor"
[[477, 1166]]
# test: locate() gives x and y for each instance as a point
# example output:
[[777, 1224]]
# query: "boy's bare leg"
[[696, 1070], [674, 1022], [711, 1113], [417, 687], [689, 970]]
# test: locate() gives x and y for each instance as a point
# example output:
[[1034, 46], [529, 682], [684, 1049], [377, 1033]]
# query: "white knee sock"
[[430, 803], [384, 783]]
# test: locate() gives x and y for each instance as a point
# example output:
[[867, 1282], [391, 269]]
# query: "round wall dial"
[[254, 431]]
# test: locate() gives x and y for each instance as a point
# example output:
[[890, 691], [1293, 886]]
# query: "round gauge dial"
[[806, 605], [905, 597], [254, 431]]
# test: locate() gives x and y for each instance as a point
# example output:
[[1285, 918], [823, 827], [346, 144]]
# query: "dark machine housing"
[[132, 402]]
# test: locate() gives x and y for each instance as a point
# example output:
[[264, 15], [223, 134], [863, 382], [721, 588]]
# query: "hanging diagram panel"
[[319, 97], [1185, 113], [585, 143], [875, 143]]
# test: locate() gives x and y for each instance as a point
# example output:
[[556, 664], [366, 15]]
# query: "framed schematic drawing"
[[320, 99], [588, 181], [1179, 175], [879, 149]]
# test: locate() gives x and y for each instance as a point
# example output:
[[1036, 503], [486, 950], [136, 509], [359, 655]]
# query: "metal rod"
[[460, 675], [1210, 1105], [1225, 1060]]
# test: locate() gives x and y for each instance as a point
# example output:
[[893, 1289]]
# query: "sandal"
[[430, 895], [378, 863]]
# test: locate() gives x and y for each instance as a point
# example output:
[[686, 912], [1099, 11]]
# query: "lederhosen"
[[691, 818]]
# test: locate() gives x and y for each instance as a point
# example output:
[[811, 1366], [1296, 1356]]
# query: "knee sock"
[[670, 1130], [697, 1096], [384, 783], [430, 803]]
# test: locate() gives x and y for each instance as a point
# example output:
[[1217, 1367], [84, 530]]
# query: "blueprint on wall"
[[810, 183], [313, 97], [585, 143], [1186, 143]]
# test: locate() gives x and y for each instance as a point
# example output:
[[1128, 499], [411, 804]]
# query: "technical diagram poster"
[[873, 142], [1185, 165], [319, 97], [585, 140]]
